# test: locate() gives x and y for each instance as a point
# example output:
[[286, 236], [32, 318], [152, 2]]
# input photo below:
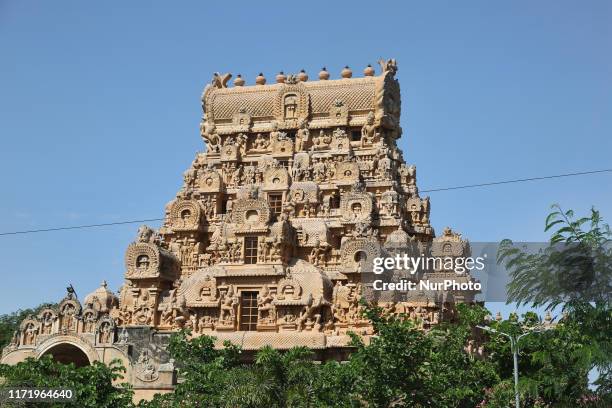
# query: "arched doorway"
[[66, 353]]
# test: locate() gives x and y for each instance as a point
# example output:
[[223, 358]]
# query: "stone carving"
[[30, 329], [319, 253], [338, 113], [283, 147], [90, 317], [209, 181], [369, 135], [260, 144], [145, 258], [251, 211], [229, 303], [356, 207], [173, 311], [106, 331], [210, 136], [291, 102], [357, 254], [302, 137], [347, 172], [208, 290], [322, 140], [146, 369], [276, 179], [289, 288], [220, 80], [266, 312], [185, 215]]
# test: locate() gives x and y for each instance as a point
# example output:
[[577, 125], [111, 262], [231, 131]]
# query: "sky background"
[[100, 110]]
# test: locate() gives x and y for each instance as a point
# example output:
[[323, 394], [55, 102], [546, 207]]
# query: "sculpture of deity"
[[302, 137], [368, 131]]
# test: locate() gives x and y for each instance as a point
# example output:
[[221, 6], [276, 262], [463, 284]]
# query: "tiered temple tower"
[[301, 185]]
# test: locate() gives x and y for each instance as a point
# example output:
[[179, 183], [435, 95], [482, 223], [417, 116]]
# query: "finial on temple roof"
[[260, 79], [239, 81], [323, 75], [302, 76], [346, 72], [368, 71]]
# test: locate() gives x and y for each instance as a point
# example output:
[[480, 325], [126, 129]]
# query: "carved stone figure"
[[368, 131], [260, 143], [105, 333], [302, 138], [229, 302], [266, 313], [30, 333]]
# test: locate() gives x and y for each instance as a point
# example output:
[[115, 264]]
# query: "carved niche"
[[340, 142], [450, 244], [291, 104], [200, 289], [89, 318], [389, 204], [304, 191], [209, 181], [338, 113], [229, 152], [105, 331], [357, 254], [276, 179], [282, 147], [251, 213], [288, 289], [47, 318], [241, 121], [145, 260], [356, 207], [69, 310], [30, 329], [347, 172], [414, 204], [185, 215]]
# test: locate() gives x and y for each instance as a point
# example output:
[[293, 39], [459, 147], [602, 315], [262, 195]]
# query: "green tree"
[[94, 386], [552, 363], [573, 272]]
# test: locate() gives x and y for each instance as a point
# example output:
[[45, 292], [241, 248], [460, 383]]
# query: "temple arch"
[[68, 349], [66, 353]]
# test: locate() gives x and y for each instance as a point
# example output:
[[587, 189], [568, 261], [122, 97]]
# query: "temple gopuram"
[[300, 186]]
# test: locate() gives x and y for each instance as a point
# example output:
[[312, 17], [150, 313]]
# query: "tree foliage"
[[93, 385], [573, 272]]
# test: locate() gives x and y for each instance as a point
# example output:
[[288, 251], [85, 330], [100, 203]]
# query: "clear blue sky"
[[100, 109]]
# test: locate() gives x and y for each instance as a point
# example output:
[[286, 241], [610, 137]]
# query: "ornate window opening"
[[142, 262], [248, 311], [355, 135], [250, 250], [290, 102], [276, 203], [335, 201]]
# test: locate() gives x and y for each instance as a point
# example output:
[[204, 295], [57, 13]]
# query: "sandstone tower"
[[300, 186]]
